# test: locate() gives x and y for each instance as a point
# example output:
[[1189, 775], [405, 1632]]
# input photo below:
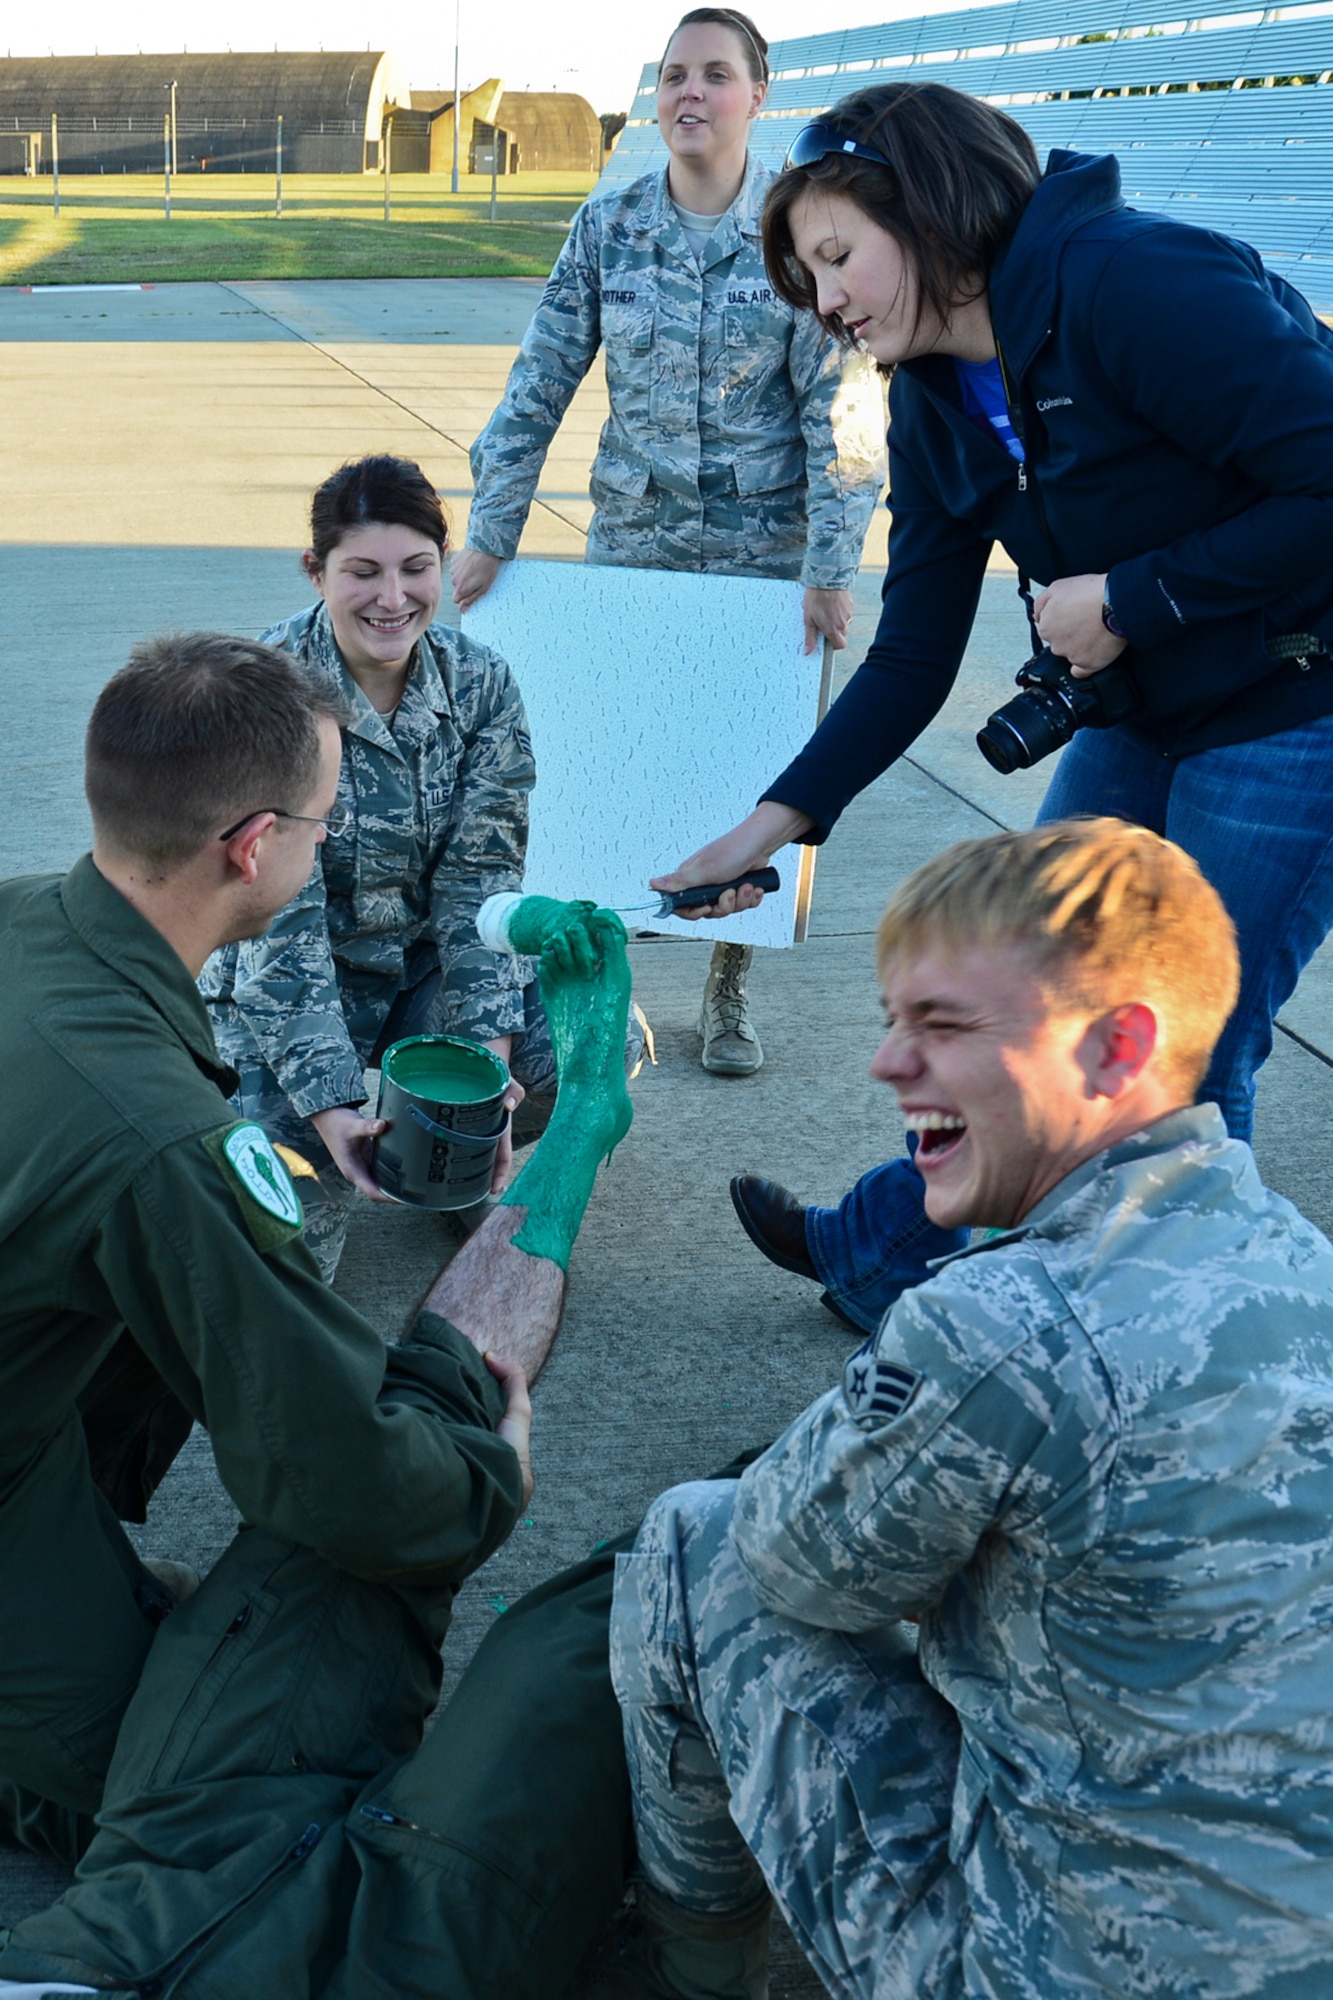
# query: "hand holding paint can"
[[444, 1097]]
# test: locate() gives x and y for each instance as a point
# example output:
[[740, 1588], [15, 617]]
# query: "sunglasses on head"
[[821, 139]]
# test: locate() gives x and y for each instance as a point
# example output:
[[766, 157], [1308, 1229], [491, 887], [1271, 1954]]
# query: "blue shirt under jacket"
[[1175, 401]]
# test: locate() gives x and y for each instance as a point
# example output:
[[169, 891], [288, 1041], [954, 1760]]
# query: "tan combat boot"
[[731, 1046], [662, 1952]]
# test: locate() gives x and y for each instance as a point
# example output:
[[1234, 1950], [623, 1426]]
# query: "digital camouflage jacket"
[[1095, 1458], [439, 805], [718, 391]]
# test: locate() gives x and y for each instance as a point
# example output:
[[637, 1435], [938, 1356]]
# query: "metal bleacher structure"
[[1223, 120]]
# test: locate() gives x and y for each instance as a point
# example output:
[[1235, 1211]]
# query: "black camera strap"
[[1025, 592]]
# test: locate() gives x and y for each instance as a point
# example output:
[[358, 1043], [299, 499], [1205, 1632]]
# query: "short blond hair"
[[1110, 914]]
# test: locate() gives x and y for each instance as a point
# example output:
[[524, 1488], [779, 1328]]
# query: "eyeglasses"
[[335, 822], [816, 142]]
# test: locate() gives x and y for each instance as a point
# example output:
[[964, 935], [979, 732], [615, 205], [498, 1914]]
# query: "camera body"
[[1051, 706]]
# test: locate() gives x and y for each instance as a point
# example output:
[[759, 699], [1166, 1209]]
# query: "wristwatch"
[[1109, 619]]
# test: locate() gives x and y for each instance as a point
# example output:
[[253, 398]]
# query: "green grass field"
[[112, 230]]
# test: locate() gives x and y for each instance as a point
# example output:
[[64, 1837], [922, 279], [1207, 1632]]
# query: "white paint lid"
[[493, 919]]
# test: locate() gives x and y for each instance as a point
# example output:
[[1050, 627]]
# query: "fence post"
[[55, 166], [388, 162], [495, 167], [166, 168], [277, 204], [458, 11]]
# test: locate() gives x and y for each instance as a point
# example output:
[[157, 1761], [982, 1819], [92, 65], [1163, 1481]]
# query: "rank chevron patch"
[[877, 1391]]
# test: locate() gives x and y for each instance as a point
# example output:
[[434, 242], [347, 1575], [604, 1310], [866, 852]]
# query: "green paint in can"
[[444, 1098], [445, 1070]]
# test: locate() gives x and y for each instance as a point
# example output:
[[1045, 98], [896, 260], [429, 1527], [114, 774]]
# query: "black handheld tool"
[[704, 893]]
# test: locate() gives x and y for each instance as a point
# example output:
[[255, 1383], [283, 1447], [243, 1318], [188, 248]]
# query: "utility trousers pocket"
[[280, 1665], [201, 1667]]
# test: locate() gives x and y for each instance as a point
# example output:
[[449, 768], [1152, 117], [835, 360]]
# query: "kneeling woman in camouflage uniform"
[[739, 443], [431, 818]]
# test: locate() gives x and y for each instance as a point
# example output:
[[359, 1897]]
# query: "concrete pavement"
[[161, 448]]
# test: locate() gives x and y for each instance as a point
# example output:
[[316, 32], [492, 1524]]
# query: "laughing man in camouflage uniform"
[[740, 441], [1092, 1457]]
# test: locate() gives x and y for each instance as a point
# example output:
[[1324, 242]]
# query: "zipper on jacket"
[[1296, 649], [383, 1817], [1016, 419], [305, 1843]]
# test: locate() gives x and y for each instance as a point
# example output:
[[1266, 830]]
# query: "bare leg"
[[501, 1299]]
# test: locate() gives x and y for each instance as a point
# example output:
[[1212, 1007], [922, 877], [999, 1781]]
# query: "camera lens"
[[1025, 730], [1003, 747], [1052, 705]]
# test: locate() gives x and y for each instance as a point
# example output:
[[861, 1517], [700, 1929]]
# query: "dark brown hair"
[[380, 491], [756, 48], [957, 175], [195, 730]]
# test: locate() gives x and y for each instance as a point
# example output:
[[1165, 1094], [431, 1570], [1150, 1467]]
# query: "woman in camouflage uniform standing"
[[738, 442], [431, 818]]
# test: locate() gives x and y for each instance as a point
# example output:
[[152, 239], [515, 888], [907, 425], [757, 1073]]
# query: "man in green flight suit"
[[266, 1820]]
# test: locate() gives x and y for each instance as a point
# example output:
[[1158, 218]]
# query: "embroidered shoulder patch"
[[877, 1391], [261, 1183]]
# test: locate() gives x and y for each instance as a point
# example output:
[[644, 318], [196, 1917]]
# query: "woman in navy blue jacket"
[[1142, 416]]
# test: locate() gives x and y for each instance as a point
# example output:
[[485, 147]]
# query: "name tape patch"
[[877, 1391]]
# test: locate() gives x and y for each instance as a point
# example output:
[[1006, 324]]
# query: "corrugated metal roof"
[[304, 87]]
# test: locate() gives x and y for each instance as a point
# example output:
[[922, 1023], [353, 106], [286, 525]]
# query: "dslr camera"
[[1051, 706]]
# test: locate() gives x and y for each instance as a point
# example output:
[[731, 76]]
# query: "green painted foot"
[[584, 976]]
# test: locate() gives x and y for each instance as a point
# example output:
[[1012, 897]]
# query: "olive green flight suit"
[[151, 1263]]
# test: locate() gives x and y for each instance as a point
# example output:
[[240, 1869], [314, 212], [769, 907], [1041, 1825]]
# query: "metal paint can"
[[444, 1098]]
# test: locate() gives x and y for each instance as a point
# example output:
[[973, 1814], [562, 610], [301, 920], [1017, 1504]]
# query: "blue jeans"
[[878, 1240], [1258, 819]]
